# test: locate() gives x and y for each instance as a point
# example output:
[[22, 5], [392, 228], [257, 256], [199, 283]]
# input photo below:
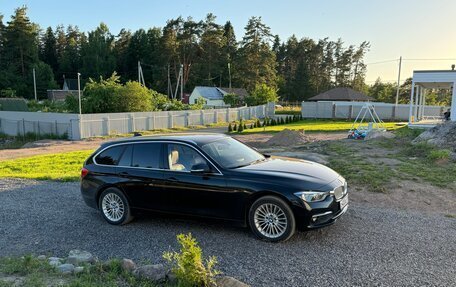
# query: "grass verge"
[[59, 166], [32, 272], [311, 125]]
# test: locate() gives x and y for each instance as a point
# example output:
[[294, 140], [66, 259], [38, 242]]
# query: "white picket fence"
[[349, 110], [77, 126]]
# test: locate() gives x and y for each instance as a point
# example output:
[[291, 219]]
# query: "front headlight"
[[312, 196]]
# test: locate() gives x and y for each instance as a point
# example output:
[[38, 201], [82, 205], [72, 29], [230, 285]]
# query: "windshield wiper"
[[253, 162]]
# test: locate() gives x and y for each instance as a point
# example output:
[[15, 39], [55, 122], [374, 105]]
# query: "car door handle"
[[124, 173], [173, 179]]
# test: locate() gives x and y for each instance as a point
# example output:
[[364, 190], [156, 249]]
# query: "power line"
[[429, 59], [382, 62]]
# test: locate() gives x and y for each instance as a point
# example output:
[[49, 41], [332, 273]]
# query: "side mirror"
[[200, 168]]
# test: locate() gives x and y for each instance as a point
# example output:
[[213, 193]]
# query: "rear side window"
[[110, 156], [146, 155], [125, 160]]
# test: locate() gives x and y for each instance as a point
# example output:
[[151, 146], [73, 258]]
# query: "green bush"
[[233, 100], [439, 154], [257, 123], [230, 128], [188, 265], [262, 94], [235, 128], [13, 104]]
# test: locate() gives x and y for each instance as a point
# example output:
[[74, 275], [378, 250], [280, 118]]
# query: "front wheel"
[[114, 207], [271, 219]]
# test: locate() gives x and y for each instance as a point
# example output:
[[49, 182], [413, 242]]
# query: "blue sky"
[[414, 29]]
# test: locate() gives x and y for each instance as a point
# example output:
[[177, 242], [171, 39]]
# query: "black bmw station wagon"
[[212, 175]]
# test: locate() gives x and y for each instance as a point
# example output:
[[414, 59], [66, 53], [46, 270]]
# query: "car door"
[[197, 193], [141, 172]]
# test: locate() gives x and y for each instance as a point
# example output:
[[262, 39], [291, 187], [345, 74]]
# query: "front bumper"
[[319, 214], [326, 218]]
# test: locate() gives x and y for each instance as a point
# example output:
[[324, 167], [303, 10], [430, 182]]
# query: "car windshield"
[[230, 153]]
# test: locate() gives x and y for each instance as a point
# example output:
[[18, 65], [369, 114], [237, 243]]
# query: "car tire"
[[271, 219], [114, 207]]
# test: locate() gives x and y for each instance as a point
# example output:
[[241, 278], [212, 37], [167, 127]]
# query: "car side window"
[[110, 156], [183, 158], [125, 159], [146, 155]]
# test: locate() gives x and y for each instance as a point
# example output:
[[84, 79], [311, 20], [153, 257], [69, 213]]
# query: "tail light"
[[84, 172]]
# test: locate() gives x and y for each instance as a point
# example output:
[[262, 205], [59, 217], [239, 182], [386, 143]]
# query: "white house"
[[423, 81], [214, 96]]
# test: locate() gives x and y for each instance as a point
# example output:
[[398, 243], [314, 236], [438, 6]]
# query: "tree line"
[[209, 53]]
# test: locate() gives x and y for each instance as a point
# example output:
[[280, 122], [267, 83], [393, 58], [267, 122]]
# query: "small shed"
[[341, 95], [422, 82]]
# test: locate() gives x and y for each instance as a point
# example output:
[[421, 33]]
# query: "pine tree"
[[235, 128], [230, 128], [241, 127]]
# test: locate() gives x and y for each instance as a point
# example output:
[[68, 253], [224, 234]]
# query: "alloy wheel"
[[113, 207], [270, 220]]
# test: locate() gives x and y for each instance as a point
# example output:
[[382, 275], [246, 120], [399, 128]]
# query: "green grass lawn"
[[311, 125], [60, 166]]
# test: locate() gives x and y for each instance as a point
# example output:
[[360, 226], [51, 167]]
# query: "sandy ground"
[[53, 146]]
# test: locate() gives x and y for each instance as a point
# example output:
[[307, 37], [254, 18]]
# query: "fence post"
[[334, 111], [186, 119], [170, 120], [350, 112], [108, 127], [133, 124], [56, 129], [393, 113], [23, 128], [153, 122], [215, 116], [227, 115], [202, 117]]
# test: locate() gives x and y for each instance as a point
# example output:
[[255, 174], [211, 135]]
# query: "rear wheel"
[[114, 207], [271, 219]]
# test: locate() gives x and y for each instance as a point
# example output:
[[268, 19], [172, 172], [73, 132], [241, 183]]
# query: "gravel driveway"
[[369, 246]]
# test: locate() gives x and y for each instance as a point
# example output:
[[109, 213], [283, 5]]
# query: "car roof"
[[192, 138]]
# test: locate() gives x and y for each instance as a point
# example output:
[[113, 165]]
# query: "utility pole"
[[170, 92], [229, 73], [34, 84], [182, 82], [398, 80], [139, 72], [79, 92]]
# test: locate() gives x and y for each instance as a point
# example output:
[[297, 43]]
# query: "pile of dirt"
[[289, 138], [443, 136]]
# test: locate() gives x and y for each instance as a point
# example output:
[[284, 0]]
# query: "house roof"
[[214, 93], [71, 84], [341, 94], [241, 92]]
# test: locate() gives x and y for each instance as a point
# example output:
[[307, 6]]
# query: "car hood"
[[314, 174]]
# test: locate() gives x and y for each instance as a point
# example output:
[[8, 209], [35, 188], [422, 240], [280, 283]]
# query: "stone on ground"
[[78, 269], [128, 265], [289, 138], [378, 134], [227, 281], [442, 136], [65, 268], [156, 272], [77, 257]]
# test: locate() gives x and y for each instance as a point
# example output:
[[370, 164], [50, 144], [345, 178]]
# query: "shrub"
[[233, 100], [230, 128], [262, 94], [257, 123], [241, 127], [188, 264], [13, 104], [235, 128], [439, 154]]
